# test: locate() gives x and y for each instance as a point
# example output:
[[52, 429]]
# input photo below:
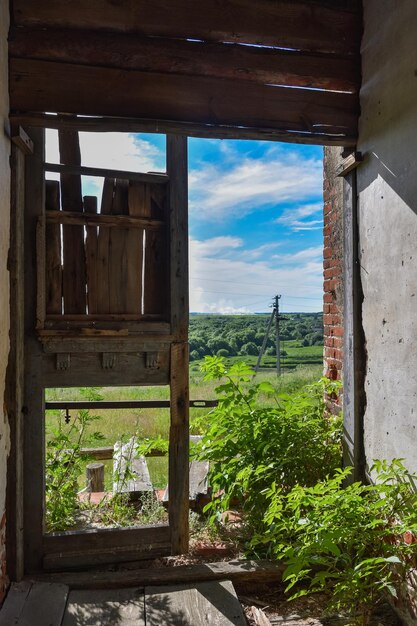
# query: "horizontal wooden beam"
[[106, 221], [192, 58], [219, 131], [48, 86], [84, 170], [239, 571], [313, 25]]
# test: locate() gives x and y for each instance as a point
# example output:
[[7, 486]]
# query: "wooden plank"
[[13, 605], [21, 139], [205, 604], [178, 473], [83, 170], [354, 349], [193, 58], [124, 607], [14, 390], [139, 207], [53, 263], [48, 86], [106, 556], [156, 296], [34, 439], [321, 25], [118, 253], [91, 255], [130, 470], [112, 538], [74, 274], [177, 166], [103, 302], [45, 604], [198, 481], [129, 369], [201, 130], [238, 571], [109, 344], [103, 220]]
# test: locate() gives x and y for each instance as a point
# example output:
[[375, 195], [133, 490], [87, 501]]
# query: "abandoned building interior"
[[341, 74]]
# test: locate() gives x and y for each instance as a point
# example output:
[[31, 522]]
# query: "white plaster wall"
[[387, 186], [4, 243]]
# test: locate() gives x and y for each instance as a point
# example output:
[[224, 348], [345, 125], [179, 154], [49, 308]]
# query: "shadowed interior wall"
[[4, 276], [387, 189]]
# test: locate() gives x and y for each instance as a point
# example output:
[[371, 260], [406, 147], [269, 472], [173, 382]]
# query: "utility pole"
[[277, 341], [274, 315]]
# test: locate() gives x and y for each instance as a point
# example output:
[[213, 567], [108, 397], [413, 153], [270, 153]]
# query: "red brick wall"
[[333, 271]]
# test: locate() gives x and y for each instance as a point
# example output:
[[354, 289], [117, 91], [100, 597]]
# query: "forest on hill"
[[242, 335]]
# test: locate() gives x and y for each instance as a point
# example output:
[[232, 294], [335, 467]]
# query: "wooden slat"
[[137, 125], [138, 201], [13, 605], [130, 470], [91, 255], [156, 297], [53, 263], [205, 604], [48, 86], [103, 302], [242, 571], [108, 221], [192, 58], [178, 472], [85, 170], [121, 607], [118, 256], [307, 25], [45, 604], [74, 275]]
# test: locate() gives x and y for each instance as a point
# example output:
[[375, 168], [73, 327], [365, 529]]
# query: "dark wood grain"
[[307, 25], [74, 273], [53, 252], [49, 86], [190, 58]]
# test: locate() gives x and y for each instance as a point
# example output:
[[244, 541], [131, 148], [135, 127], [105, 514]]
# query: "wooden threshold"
[[238, 570]]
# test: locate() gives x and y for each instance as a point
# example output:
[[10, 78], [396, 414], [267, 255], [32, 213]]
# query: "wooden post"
[[95, 477], [15, 371], [179, 431], [34, 406]]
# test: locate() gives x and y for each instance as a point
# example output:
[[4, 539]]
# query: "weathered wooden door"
[[106, 303]]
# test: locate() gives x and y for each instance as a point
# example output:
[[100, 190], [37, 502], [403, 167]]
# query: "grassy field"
[[117, 424]]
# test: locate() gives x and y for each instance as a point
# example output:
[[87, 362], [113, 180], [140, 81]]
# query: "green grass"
[[116, 424]]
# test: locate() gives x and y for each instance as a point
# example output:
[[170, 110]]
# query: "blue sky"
[[255, 216]]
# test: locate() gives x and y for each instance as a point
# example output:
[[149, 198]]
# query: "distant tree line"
[[241, 335]]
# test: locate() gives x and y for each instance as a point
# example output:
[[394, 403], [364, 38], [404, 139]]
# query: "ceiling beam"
[[68, 88], [137, 125], [216, 60], [309, 25]]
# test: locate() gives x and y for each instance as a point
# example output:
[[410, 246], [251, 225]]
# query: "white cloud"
[[294, 217], [276, 177], [121, 151], [222, 280]]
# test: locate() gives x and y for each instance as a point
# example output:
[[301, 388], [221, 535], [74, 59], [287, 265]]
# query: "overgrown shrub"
[[347, 539], [250, 447]]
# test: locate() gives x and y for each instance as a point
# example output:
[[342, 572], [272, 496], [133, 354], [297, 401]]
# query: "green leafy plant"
[[348, 539], [63, 465], [250, 446]]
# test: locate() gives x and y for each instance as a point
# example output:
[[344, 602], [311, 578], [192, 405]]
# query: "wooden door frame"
[[25, 397]]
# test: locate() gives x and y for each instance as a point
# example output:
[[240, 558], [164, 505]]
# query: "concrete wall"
[[4, 278], [387, 187]]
